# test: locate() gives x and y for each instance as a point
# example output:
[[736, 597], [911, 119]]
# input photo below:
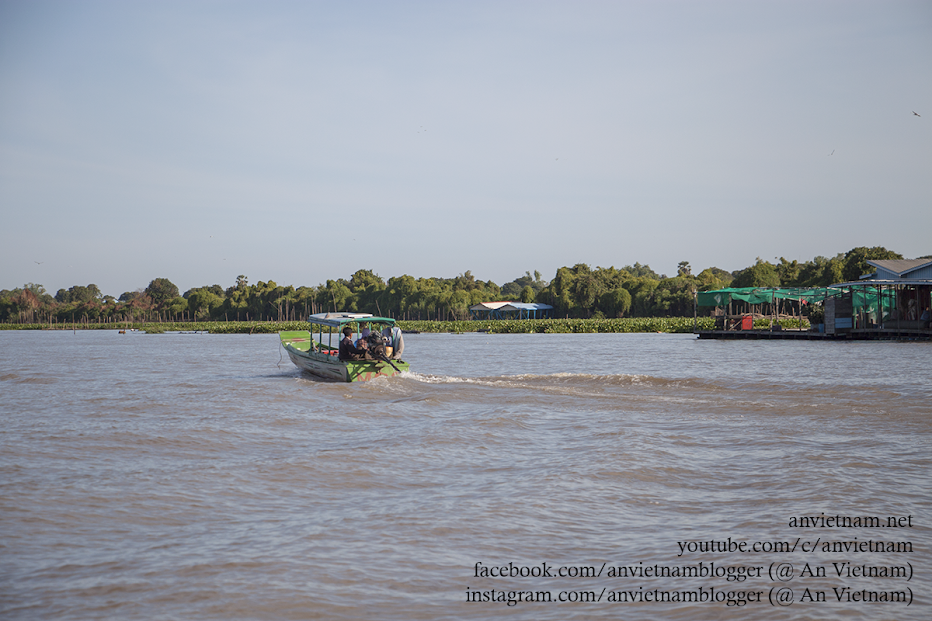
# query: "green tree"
[[175, 306], [788, 271], [615, 303], [203, 299], [363, 279], [514, 289], [305, 300], [22, 304], [401, 295], [855, 263], [642, 296], [79, 294], [161, 290], [713, 278], [459, 303], [335, 296], [561, 291], [761, 274], [821, 271], [466, 282], [587, 290], [642, 271], [674, 296]]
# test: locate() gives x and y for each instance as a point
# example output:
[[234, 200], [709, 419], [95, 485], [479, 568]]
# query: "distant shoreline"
[[507, 326]]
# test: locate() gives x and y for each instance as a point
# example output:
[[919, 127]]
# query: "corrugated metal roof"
[[507, 306], [874, 282], [489, 305], [526, 306], [899, 266]]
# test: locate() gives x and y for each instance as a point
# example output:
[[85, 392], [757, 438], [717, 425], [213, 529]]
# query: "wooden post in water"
[[695, 310]]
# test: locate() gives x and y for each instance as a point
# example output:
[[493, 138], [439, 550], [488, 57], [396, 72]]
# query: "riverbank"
[[510, 326]]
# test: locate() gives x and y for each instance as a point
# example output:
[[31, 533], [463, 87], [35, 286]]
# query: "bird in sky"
[[833, 152], [916, 113], [39, 262]]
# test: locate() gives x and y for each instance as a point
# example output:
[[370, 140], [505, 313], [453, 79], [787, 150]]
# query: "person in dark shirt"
[[348, 351]]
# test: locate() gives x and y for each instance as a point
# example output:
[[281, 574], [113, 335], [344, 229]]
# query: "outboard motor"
[[376, 344]]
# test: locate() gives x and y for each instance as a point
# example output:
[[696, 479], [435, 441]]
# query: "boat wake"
[[687, 392], [569, 380]]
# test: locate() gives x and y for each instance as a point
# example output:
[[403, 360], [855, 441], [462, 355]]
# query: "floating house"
[[510, 310], [736, 308], [894, 300], [892, 303]]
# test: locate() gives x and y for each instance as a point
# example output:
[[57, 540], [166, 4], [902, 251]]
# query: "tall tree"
[[161, 290], [821, 271], [856, 260], [615, 303], [713, 278], [788, 271], [78, 293], [336, 296], [761, 274], [364, 279], [643, 271]]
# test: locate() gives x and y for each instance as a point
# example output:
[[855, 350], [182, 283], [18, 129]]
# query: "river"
[[197, 476]]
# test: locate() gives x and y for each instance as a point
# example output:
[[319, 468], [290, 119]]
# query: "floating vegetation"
[[505, 326]]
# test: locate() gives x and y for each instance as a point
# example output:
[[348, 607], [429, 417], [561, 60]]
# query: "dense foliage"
[[575, 292], [510, 326]]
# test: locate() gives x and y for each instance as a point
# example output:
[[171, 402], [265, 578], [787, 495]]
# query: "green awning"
[[763, 295]]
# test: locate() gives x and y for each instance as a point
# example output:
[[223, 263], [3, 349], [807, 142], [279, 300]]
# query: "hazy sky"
[[301, 141]]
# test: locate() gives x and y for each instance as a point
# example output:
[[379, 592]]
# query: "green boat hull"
[[323, 361]]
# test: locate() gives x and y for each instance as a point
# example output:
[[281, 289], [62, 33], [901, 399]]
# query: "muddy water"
[[185, 476]]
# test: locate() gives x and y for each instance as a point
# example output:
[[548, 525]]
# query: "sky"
[[303, 141]]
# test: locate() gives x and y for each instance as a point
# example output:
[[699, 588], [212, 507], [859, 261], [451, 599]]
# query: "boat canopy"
[[338, 320]]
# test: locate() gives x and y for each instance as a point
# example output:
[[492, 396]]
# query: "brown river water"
[[634, 476]]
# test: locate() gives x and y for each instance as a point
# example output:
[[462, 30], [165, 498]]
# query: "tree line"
[[575, 292]]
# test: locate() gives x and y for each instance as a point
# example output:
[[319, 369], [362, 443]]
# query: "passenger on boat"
[[348, 351], [394, 340], [363, 341]]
